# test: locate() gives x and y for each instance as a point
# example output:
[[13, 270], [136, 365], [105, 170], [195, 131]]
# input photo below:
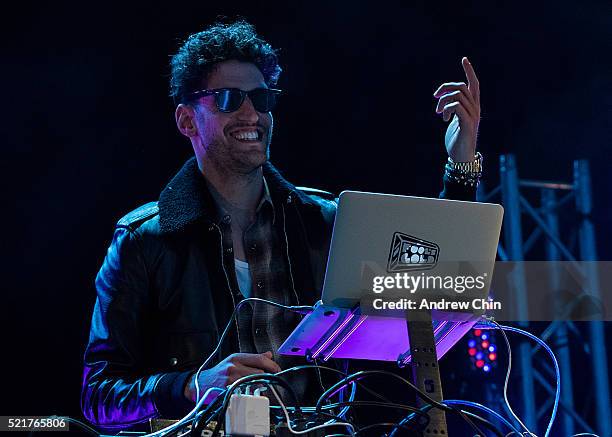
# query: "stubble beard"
[[229, 159]]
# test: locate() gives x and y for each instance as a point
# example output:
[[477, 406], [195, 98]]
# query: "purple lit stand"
[[332, 332]]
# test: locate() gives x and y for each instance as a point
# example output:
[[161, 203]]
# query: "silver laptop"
[[382, 235]]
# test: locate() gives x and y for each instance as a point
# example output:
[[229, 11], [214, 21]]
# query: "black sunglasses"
[[230, 99]]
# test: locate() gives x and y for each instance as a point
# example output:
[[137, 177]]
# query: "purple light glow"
[[335, 333]]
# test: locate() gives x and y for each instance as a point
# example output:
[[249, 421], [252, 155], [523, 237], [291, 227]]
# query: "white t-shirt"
[[243, 276]]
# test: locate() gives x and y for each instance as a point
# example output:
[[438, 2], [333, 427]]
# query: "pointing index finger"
[[473, 84]]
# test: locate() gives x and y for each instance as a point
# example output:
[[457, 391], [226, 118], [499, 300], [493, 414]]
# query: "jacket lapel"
[[186, 202], [186, 199]]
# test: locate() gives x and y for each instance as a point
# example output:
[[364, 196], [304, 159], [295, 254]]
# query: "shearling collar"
[[186, 200]]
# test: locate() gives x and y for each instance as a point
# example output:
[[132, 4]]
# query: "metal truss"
[[553, 198]]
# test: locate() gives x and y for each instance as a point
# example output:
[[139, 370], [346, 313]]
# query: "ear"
[[185, 120]]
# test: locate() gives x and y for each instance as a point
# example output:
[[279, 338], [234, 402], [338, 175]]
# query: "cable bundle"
[[301, 420]]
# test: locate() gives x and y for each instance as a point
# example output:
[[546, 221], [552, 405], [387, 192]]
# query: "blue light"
[[472, 343], [492, 348], [479, 356], [484, 336], [486, 368]]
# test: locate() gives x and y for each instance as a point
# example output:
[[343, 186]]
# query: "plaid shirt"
[[262, 327]]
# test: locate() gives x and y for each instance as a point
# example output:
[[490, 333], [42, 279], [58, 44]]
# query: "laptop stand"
[[416, 339]]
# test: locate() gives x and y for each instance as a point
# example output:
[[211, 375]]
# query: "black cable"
[[362, 374], [307, 424], [418, 391], [485, 422], [300, 309], [258, 377], [281, 416], [419, 412], [332, 416], [199, 422], [80, 424], [464, 415], [375, 404], [344, 382], [269, 378], [387, 424], [466, 418], [360, 384]]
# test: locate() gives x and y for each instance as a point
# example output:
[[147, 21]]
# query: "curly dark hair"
[[196, 58]]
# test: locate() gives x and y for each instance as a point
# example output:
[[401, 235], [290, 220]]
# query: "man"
[[227, 226]]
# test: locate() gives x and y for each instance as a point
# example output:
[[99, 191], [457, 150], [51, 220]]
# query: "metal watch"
[[474, 166]]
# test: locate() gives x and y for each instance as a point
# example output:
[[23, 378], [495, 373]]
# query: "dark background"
[[88, 133]]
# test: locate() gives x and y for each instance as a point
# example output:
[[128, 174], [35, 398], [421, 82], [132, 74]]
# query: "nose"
[[247, 111]]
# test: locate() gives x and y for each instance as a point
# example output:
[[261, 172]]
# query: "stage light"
[[482, 350]]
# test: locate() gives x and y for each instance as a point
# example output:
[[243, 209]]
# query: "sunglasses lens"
[[229, 100], [263, 99]]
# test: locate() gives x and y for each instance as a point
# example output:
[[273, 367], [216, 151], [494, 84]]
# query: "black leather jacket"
[[163, 297]]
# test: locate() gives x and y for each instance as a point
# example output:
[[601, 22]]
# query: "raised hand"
[[461, 102]]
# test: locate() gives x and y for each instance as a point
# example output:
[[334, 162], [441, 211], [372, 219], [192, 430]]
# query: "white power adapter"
[[248, 415]]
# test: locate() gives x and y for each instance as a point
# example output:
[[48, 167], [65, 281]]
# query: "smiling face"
[[237, 141]]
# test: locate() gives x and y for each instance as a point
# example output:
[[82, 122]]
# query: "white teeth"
[[252, 135]]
